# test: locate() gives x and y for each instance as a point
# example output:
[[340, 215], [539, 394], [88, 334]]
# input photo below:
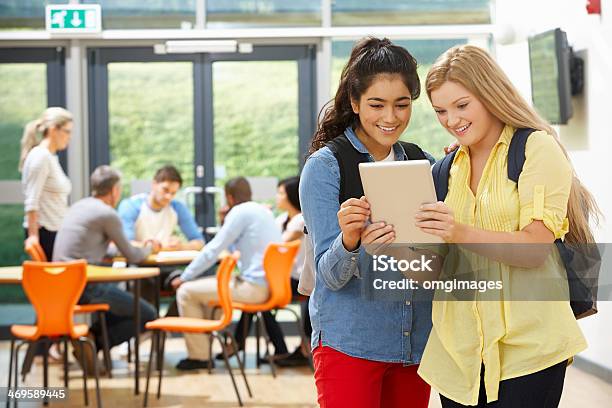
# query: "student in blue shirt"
[[248, 228], [366, 352], [155, 216]]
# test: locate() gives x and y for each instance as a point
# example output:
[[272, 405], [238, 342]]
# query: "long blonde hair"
[[473, 68], [51, 117]]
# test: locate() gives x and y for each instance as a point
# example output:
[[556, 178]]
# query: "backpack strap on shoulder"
[[413, 152], [348, 159], [441, 173], [516, 153]]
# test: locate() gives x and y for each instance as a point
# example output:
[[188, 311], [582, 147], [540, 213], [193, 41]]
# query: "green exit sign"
[[73, 18]]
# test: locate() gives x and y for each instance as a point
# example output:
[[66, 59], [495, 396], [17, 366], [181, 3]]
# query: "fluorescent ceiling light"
[[193, 46]]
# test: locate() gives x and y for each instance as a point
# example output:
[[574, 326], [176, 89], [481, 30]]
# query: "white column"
[[324, 57], [76, 101]]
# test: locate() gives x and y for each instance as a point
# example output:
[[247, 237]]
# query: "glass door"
[[32, 79], [263, 111], [141, 111], [213, 116]]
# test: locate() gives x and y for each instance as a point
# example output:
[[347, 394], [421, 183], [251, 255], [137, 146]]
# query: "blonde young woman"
[[497, 353], [45, 185]]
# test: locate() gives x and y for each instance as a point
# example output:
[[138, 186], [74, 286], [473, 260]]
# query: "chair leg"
[[65, 363], [245, 334], [257, 335], [269, 356], [240, 362], [15, 367], [92, 345], [210, 356], [108, 363], [149, 365], [84, 365], [46, 345], [8, 403], [229, 368], [305, 342], [129, 356], [160, 363], [26, 365]]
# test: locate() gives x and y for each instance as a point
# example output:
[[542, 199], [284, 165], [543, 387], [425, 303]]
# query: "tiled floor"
[[292, 388]]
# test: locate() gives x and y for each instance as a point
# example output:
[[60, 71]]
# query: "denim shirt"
[[342, 316]]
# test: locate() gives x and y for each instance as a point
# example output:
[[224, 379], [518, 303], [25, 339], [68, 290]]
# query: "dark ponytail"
[[370, 57]]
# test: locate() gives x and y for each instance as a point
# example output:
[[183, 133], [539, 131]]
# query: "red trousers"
[[345, 381]]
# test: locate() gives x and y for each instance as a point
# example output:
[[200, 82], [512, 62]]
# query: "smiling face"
[[384, 111], [464, 116]]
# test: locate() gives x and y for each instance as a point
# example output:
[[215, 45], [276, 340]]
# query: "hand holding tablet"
[[395, 191]]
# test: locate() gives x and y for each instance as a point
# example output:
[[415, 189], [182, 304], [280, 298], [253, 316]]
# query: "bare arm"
[[32, 217]]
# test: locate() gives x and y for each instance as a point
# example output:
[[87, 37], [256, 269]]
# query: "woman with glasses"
[[45, 185]]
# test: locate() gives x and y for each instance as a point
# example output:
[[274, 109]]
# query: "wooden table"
[[165, 258], [103, 274], [171, 258]]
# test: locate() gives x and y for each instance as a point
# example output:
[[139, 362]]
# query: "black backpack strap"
[[348, 159], [413, 152], [581, 296], [441, 173], [516, 153]]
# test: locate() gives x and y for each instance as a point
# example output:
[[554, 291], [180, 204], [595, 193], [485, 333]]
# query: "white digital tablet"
[[395, 191]]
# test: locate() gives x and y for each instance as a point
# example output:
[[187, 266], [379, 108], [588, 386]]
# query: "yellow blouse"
[[510, 338]]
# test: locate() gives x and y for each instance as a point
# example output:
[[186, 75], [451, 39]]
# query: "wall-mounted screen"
[[549, 59]]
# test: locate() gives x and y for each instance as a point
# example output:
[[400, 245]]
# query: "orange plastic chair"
[[53, 289], [277, 263], [36, 252], [194, 325]]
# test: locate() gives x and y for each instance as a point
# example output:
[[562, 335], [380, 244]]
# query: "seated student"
[[248, 228], [155, 215], [291, 225], [85, 233]]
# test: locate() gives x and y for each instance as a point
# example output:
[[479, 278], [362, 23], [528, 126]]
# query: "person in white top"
[[291, 222], [291, 225], [45, 185]]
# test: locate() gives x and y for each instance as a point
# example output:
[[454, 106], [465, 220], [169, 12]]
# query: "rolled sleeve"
[[319, 192], [545, 184]]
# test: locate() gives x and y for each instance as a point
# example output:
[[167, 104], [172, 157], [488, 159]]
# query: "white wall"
[[588, 135]]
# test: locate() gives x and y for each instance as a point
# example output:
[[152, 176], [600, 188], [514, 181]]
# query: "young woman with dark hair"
[[366, 352]]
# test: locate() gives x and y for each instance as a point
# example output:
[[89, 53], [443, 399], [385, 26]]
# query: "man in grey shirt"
[[86, 232]]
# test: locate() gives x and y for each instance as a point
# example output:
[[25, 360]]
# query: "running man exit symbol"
[[74, 18]]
